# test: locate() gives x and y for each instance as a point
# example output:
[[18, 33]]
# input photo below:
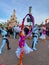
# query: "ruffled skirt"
[[42, 36], [26, 50]]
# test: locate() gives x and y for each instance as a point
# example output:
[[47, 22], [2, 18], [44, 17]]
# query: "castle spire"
[[13, 20]]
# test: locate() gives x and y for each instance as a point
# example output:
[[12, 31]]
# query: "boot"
[[34, 46], [7, 41]]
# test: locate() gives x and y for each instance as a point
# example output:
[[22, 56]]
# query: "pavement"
[[39, 57]]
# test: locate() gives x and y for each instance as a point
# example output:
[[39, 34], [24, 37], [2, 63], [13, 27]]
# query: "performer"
[[43, 36], [4, 40], [16, 31], [23, 47], [35, 37]]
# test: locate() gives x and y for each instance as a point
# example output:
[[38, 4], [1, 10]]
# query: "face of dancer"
[[22, 33]]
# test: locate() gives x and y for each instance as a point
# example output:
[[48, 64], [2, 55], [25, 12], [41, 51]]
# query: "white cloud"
[[3, 20], [40, 9]]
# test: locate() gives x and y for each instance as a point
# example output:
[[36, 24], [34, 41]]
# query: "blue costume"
[[35, 37], [14, 32], [4, 40]]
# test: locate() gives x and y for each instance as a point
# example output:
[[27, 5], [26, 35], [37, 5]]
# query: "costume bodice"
[[44, 31], [22, 41]]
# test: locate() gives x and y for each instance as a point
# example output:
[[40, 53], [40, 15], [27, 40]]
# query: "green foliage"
[[3, 24]]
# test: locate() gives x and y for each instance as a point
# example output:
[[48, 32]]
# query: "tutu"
[[26, 49], [42, 36]]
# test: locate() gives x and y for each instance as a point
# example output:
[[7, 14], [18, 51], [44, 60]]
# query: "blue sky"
[[40, 9]]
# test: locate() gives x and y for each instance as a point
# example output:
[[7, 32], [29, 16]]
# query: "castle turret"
[[13, 20]]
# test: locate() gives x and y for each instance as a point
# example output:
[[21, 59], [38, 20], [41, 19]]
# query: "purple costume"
[[21, 41]]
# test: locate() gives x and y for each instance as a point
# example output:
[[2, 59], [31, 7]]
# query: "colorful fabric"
[[22, 45]]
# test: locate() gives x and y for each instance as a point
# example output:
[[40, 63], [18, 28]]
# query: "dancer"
[[35, 37], [23, 47], [4, 40], [16, 31], [43, 36]]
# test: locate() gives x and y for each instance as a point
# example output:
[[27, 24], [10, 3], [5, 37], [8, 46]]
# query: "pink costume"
[[23, 46], [22, 43], [44, 32], [43, 36]]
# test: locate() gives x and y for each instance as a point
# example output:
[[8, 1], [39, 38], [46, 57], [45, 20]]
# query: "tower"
[[13, 19], [30, 10]]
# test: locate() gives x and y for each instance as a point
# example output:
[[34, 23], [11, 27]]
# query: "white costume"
[[26, 48], [35, 37], [16, 30]]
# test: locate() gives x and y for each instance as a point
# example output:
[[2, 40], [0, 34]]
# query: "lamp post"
[[30, 12]]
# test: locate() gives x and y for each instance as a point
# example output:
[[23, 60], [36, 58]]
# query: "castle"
[[13, 20]]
